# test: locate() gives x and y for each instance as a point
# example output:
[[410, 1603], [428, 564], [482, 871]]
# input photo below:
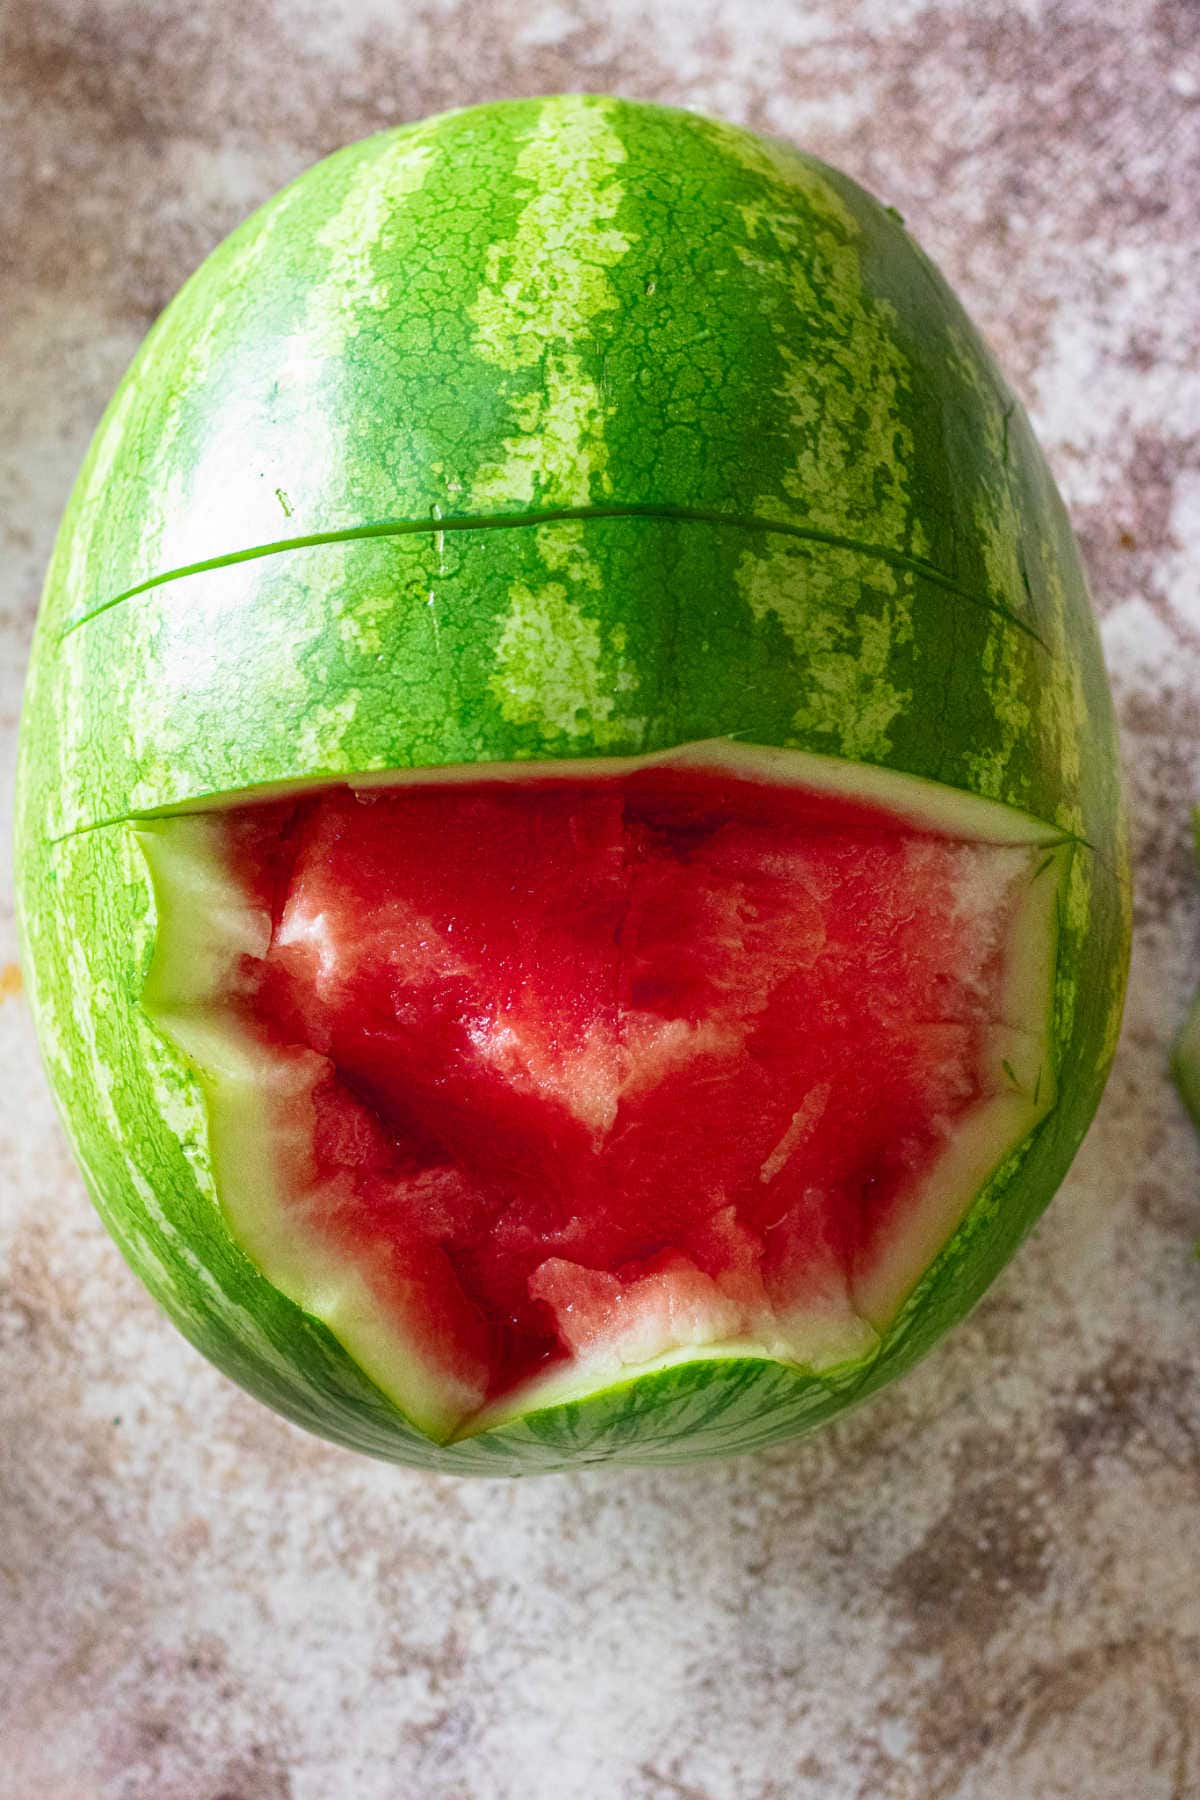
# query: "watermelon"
[[1185, 1061], [1185, 1054], [571, 857]]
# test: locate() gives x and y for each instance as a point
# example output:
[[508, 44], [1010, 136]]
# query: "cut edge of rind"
[[924, 804], [192, 962]]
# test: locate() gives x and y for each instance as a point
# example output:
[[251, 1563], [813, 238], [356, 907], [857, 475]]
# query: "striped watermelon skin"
[[553, 429]]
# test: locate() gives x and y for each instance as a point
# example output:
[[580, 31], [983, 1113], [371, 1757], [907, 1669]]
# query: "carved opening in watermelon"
[[524, 1081]]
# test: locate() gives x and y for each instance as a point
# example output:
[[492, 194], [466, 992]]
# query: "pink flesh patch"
[[618, 1063]]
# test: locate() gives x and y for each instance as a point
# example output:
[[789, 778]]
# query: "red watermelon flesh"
[[612, 1065]]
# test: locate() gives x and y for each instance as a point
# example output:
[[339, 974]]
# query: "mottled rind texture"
[[560, 428]]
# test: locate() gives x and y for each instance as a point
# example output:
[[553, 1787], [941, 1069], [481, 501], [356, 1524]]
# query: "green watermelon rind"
[[1185, 1052], [1185, 1062], [872, 565]]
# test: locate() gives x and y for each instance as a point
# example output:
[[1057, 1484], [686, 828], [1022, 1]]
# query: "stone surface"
[[984, 1587]]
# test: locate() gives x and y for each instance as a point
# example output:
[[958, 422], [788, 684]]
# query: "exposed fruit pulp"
[[603, 1065]]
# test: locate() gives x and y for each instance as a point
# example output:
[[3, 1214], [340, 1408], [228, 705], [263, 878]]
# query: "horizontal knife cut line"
[[434, 524]]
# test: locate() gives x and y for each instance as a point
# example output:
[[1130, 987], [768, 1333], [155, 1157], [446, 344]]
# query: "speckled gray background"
[[985, 1587]]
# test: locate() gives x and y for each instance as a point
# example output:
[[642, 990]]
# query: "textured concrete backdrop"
[[984, 1587]]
